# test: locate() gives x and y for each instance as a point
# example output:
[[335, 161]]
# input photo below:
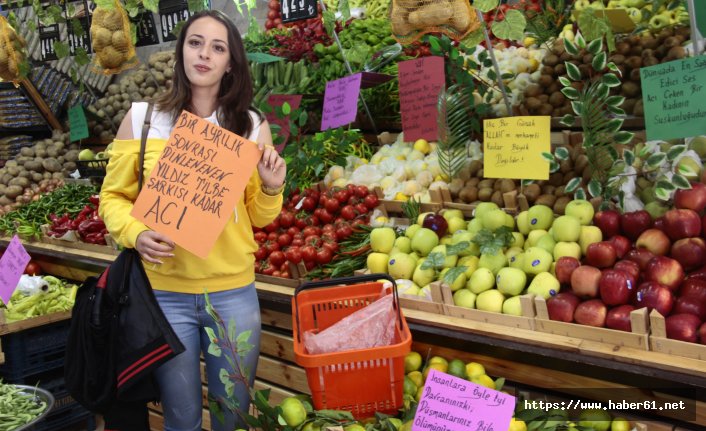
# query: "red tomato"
[[323, 256], [260, 253], [311, 264], [297, 242], [313, 240], [33, 268], [308, 253], [348, 212], [286, 219], [332, 206], [272, 227], [328, 228], [293, 231], [277, 273], [353, 200], [371, 201], [361, 208], [266, 268], [343, 232], [332, 246], [311, 231], [301, 219], [309, 204], [272, 236], [342, 196], [312, 220], [285, 274], [293, 254], [284, 239], [361, 191], [260, 236], [272, 14], [276, 258], [284, 266], [271, 246], [325, 216]]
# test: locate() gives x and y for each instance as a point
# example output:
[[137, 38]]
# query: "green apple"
[[533, 237], [377, 262], [424, 241], [512, 306], [598, 419], [407, 287], [463, 236], [540, 217], [403, 244], [420, 217], [471, 264], [422, 277], [635, 14], [581, 209], [545, 285], [448, 214], [449, 261], [493, 219], [484, 207], [567, 228], [394, 250], [458, 283], [401, 266], [86, 154], [446, 240], [546, 242], [656, 209], [517, 261], [481, 280], [511, 281], [536, 260], [456, 224], [588, 236], [474, 225], [464, 298], [620, 424], [425, 292], [493, 261], [598, 4], [518, 240], [659, 22], [490, 300], [513, 251], [509, 221], [411, 230], [698, 144], [564, 248], [523, 222]]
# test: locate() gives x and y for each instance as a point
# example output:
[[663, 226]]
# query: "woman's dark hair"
[[236, 92]]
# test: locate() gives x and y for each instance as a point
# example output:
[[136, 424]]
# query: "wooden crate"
[[395, 207], [111, 248], [660, 343], [638, 338], [526, 321], [513, 202], [279, 281], [412, 302]]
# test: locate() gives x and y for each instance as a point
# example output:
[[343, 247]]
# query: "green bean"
[[18, 407]]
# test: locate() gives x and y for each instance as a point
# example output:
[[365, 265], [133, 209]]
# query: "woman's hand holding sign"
[[153, 245], [271, 167]]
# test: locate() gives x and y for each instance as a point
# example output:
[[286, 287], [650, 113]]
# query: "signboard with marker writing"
[[454, 404], [674, 96], [12, 264], [513, 146], [196, 183], [421, 80], [340, 102]]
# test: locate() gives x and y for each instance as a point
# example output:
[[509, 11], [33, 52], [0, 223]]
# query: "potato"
[[550, 60], [622, 47], [51, 165], [546, 199], [560, 69], [473, 182], [676, 53], [545, 109], [651, 61], [545, 80], [19, 181], [533, 90], [533, 103], [13, 191], [34, 166], [486, 183]]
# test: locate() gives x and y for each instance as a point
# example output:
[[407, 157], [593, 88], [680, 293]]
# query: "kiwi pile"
[[631, 53], [111, 38], [137, 85], [11, 52]]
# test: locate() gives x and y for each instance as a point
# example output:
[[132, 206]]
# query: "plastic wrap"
[[371, 326]]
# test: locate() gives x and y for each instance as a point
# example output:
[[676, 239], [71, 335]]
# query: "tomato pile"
[[310, 228], [274, 15]]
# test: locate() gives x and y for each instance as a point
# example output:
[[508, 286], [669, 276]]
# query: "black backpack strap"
[[143, 144]]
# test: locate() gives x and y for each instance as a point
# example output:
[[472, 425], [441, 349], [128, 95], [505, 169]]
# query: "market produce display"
[[37, 296], [18, 407]]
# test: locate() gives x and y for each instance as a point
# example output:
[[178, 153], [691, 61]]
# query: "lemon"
[[529, 41], [407, 426], [439, 360], [293, 411], [436, 366], [484, 380], [474, 369], [311, 427], [417, 378], [517, 425], [409, 387], [420, 392], [412, 362], [457, 368], [422, 145], [401, 197]]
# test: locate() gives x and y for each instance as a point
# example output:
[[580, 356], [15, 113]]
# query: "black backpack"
[[118, 336]]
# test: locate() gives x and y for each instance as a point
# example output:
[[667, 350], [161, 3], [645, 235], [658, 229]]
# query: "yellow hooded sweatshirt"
[[230, 263]]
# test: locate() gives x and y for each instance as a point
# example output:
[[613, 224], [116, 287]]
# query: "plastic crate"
[[60, 419], [92, 168], [362, 381], [34, 350]]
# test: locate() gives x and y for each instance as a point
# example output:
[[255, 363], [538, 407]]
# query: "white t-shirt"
[[161, 123]]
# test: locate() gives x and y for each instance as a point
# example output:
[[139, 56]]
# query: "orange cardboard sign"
[[196, 183]]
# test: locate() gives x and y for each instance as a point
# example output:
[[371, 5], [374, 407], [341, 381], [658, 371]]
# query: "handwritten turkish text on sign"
[[196, 183], [420, 81], [513, 146], [674, 96], [340, 102], [451, 403], [275, 100], [12, 265]]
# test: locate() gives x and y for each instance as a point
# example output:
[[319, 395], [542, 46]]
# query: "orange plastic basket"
[[362, 381]]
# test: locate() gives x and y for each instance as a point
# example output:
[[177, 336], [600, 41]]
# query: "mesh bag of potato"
[[111, 40], [411, 19], [11, 52]]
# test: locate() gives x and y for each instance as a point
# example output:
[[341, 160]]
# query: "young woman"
[[211, 80]]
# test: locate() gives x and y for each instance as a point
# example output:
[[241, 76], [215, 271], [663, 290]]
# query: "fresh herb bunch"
[[491, 242]]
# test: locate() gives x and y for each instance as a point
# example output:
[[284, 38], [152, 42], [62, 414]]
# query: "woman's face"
[[206, 52]]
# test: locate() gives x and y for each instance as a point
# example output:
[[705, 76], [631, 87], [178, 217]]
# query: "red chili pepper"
[[94, 199]]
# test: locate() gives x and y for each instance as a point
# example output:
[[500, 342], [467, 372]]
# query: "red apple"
[[682, 327], [698, 273], [693, 199], [666, 271], [680, 224], [584, 281], [695, 287], [608, 222], [622, 245], [689, 252], [658, 223], [615, 287], [601, 254], [632, 224], [702, 333], [654, 296], [619, 318], [690, 305], [629, 267], [591, 313], [561, 307], [655, 241], [641, 256], [564, 267], [703, 223], [437, 223]]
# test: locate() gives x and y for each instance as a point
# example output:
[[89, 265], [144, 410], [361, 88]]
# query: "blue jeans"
[[180, 379]]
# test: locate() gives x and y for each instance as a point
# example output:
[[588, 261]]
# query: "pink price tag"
[[420, 82], [12, 264], [453, 404], [341, 101]]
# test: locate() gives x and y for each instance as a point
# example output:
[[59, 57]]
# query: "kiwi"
[[533, 90], [560, 204], [548, 70], [639, 109], [568, 177], [533, 103], [618, 59], [545, 109], [486, 183], [560, 69], [469, 194], [634, 62], [555, 179], [560, 191], [497, 198], [551, 60], [622, 48], [661, 51], [496, 185], [635, 75], [684, 32], [554, 88], [580, 163], [631, 89], [649, 42], [676, 53], [586, 70], [565, 56], [636, 50], [507, 185], [544, 98], [545, 80], [648, 53], [485, 194], [546, 199], [557, 99], [565, 166], [531, 192], [474, 167], [473, 182], [587, 59], [651, 61]]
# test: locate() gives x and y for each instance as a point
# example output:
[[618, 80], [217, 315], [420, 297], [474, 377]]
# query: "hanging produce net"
[[411, 19], [111, 39], [11, 52]]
